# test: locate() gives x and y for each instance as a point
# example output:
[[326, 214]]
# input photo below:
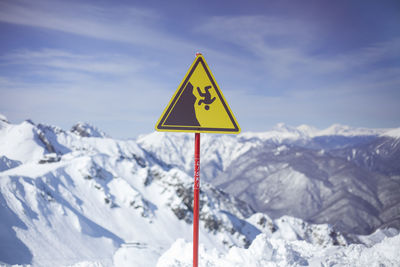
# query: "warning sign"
[[198, 105]]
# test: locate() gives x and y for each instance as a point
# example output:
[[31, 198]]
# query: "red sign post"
[[196, 192]]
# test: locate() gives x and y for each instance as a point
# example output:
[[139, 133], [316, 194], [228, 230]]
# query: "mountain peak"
[[84, 129], [345, 130], [3, 118], [3, 121], [282, 127], [307, 130]]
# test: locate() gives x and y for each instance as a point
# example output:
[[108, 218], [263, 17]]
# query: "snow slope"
[[395, 133], [80, 198], [77, 198], [265, 251]]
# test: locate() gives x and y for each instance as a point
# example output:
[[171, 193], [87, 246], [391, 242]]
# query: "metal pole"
[[196, 199]]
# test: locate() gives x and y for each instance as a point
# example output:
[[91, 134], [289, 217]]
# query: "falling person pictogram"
[[207, 97]]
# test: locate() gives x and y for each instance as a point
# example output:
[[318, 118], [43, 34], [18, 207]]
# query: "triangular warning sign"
[[198, 105]]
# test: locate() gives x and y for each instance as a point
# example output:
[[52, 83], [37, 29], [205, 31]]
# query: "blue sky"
[[116, 64]]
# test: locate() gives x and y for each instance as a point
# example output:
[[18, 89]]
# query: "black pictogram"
[[207, 97], [183, 112]]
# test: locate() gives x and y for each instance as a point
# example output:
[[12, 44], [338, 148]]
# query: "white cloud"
[[56, 60], [279, 43], [118, 23], [285, 47]]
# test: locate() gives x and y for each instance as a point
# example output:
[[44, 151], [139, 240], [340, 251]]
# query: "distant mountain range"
[[80, 198], [348, 177]]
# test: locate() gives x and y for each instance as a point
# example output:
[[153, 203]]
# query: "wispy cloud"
[[55, 59], [71, 86], [120, 23], [287, 47], [280, 43]]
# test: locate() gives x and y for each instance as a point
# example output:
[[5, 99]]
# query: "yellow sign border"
[[197, 129]]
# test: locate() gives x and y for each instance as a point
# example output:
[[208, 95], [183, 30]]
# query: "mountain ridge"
[[354, 172]]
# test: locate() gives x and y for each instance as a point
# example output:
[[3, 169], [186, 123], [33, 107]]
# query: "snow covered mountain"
[[348, 177], [68, 196], [268, 252], [81, 198]]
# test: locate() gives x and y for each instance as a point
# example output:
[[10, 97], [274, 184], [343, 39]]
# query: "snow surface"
[[279, 252], [283, 132], [345, 130], [395, 133], [19, 142], [79, 198]]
